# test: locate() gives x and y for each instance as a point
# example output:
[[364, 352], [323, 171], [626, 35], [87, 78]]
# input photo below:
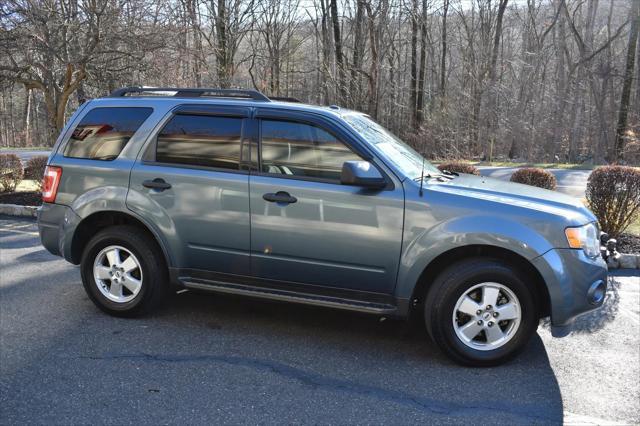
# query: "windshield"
[[405, 158]]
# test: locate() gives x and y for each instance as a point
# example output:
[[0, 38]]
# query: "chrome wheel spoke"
[[494, 334], [469, 306], [471, 329], [508, 311], [129, 265], [132, 284], [103, 272], [115, 289], [490, 295], [113, 257]]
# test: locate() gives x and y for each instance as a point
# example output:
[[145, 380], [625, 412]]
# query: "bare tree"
[[546, 80], [626, 88]]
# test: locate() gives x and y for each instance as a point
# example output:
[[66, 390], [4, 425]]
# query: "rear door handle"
[[157, 183], [279, 197]]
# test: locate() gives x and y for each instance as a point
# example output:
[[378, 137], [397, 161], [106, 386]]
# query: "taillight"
[[50, 183]]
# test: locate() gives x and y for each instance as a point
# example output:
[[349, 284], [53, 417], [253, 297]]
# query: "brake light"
[[50, 183]]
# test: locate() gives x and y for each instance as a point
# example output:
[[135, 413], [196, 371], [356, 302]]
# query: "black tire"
[[455, 281], [152, 264]]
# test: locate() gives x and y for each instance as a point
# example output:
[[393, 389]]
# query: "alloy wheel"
[[487, 316], [117, 274]]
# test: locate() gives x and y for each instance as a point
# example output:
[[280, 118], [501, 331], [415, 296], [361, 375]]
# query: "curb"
[[17, 210], [624, 261]]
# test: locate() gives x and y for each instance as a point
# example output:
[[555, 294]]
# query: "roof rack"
[[284, 99], [193, 93]]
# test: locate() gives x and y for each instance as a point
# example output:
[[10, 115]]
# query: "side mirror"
[[361, 173]]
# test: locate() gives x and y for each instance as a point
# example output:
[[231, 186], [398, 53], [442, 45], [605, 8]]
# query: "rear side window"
[[200, 140], [104, 132]]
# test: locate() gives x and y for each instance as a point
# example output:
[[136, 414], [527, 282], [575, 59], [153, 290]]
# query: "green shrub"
[[34, 170], [11, 172], [535, 177], [459, 167], [613, 194]]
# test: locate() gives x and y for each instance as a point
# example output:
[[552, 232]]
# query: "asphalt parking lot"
[[218, 359]]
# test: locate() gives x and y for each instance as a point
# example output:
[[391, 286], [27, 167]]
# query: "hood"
[[516, 194]]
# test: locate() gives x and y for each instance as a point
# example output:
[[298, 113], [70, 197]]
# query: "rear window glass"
[[104, 132], [198, 140]]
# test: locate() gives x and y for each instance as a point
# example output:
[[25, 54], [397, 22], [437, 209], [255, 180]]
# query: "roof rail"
[[284, 99], [193, 93]]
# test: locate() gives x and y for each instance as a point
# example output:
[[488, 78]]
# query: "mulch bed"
[[628, 243], [21, 198]]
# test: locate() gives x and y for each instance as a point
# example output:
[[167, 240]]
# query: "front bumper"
[[56, 224], [574, 282]]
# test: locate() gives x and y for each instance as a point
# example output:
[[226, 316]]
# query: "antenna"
[[422, 176]]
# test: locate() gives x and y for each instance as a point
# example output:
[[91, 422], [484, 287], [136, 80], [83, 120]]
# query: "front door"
[[308, 228], [191, 186]]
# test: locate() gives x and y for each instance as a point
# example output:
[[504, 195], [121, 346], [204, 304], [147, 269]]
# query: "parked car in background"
[[232, 192]]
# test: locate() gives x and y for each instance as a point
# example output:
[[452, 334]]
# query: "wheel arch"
[[527, 269], [93, 223]]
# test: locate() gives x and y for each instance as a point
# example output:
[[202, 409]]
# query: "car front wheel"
[[480, 312]]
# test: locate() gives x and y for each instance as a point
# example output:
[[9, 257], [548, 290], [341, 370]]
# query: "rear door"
[[329, 235], [191, 184]]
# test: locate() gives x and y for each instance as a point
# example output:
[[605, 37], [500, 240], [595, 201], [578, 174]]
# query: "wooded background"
[[531, 80]]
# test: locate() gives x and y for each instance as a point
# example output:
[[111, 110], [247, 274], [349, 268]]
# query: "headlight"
[[584, 237]]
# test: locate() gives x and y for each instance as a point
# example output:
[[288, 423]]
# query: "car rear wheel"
[[123, 271], [480, 312]]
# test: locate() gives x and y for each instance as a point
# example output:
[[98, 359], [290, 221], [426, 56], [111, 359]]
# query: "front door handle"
[[157, 183], [279, 197]]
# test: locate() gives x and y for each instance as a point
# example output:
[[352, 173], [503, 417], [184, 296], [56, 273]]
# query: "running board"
[[288, 296]]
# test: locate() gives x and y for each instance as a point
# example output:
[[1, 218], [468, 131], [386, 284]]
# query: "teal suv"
[[155, 190]]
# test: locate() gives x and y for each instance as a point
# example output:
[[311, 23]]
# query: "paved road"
[[571, 182], [215, 359]]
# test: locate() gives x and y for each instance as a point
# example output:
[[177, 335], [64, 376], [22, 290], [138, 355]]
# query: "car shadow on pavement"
[[204, 351], [597, 319], [358, 355]]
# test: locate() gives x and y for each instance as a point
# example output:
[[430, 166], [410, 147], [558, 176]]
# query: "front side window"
[[200, 140], [104, 132], [302, 150]]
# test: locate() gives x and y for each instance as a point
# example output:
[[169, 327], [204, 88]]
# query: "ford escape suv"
[[155, 190]]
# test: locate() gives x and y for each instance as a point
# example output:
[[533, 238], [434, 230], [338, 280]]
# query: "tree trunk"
[[414, 64], [491, 120], [423, 64], [222, 45], [626, 87], [443, 58], [358, 46], [342, 90]]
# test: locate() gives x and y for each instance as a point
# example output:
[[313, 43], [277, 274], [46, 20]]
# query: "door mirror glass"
[[361, 173]]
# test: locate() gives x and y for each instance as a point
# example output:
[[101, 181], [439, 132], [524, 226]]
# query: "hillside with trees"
[[529, 80]]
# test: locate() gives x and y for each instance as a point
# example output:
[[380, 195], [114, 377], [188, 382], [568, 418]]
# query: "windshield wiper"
[[426, 176], [450, 173]]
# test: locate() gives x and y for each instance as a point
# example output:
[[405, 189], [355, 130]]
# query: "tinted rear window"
[[104, 132], [201, 141]]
